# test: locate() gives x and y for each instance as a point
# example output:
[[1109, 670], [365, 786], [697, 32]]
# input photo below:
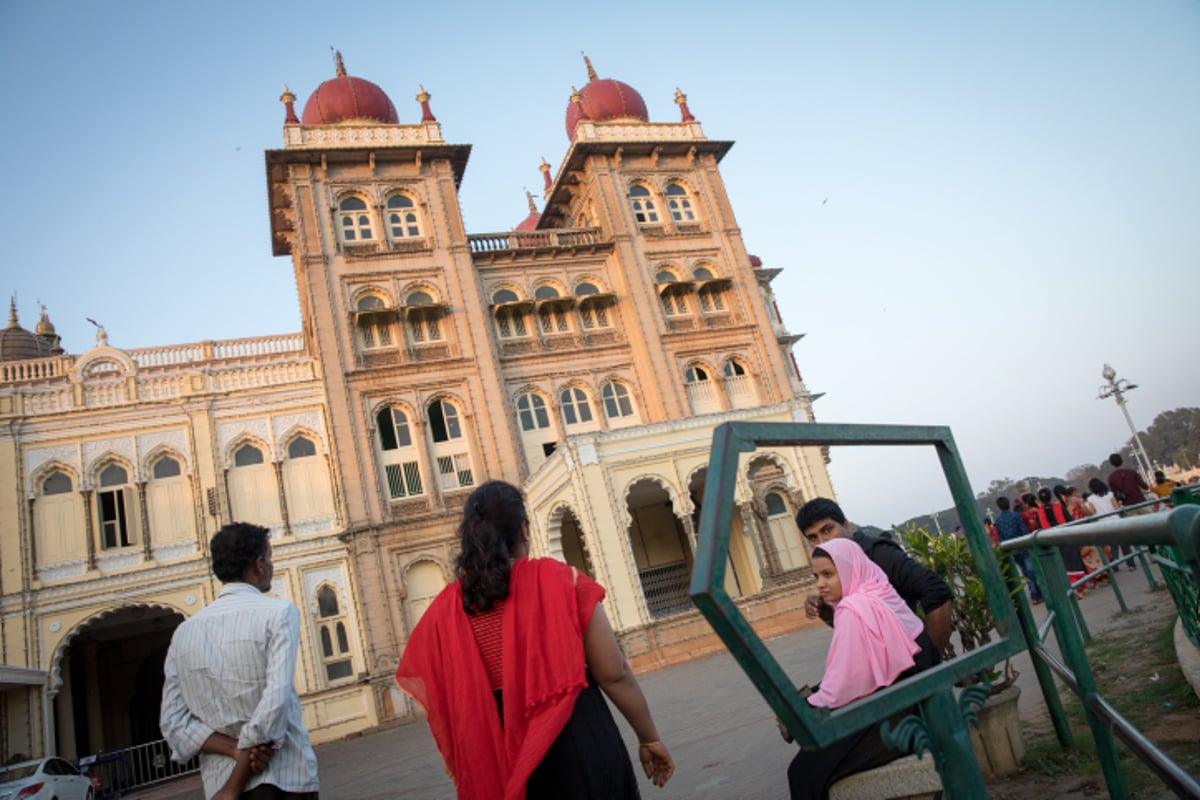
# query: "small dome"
[[755, 261], [345, 99], [18, 344], [530, 223], [603, 100], [45, 327]]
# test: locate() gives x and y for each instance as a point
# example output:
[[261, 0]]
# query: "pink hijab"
[[874, 632]]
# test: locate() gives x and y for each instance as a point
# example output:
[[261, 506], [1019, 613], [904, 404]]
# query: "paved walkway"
[[721, 733]]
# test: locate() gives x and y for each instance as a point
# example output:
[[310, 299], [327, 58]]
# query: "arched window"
[[695, 374], [733, 367], [112, 504], [712, 298], [545, 292], [576, 408], [247, 455], [679, 204], [553, 318], [642, 203], [585, 288], [531, 410], [450, 446], [335, 641], [57, 483], [355, 219], [402, 219], [301, 447], [775, 505], [703, 274], [424, 317], [674, 301], [374, 322], [401, 460], [617, 402], [166, 467], [505, 296]]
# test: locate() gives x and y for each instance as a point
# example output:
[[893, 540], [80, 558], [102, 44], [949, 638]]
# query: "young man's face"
[[824, 530]]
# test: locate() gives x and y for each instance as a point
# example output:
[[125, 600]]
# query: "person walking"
[[229, 693], [509, 663], [1010, 525]]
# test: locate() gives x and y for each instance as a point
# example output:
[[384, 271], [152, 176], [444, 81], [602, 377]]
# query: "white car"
[[47, 779]]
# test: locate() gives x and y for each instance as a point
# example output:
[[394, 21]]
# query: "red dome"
[[346, 98], [755, 261], [530, 223], [604, 99]]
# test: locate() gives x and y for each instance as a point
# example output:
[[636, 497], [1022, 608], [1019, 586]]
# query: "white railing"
[[528, 240], [703, 397], [742, 391], [199, 352], [259, 377], [35, 369]]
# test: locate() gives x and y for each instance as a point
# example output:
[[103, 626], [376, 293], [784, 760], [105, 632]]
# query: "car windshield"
[[17, 772]]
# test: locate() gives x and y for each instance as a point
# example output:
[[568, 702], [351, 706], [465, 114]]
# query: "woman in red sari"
[[509, 662]]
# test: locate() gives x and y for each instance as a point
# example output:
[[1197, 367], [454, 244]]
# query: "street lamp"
[[1117, 388]]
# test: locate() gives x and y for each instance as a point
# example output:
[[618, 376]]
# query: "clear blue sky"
[[975, 205]]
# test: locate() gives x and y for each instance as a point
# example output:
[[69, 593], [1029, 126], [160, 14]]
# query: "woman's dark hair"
[[1045, 495], [1060, 491], [489, 534], [1029, 499], [1098, 486], [235, 548], [819, 553]]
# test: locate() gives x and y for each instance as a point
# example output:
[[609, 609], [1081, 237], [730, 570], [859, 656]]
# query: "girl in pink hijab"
[[874, 645]]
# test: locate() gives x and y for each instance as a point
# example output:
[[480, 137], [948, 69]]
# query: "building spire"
[[289, 102], [12, 312], [545, 168], [532, 207], [591, 72], [681, 99], [337, 60], [423, 98]]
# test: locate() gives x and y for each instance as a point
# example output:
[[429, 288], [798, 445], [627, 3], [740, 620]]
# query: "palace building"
[[585, 355]]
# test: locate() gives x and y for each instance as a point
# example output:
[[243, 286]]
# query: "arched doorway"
[[568, 535], [111, 673], [660, 548]]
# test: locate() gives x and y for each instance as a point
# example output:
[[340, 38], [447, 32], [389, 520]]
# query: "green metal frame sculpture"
[[942, 726]]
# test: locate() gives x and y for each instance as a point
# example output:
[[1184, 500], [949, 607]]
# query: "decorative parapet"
[[535, 240], [68, 383], [324, 137], [637, 132]]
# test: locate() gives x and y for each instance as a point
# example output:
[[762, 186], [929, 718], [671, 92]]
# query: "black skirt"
[[588, 760]]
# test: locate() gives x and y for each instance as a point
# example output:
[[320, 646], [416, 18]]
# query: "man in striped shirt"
[[229, 692]]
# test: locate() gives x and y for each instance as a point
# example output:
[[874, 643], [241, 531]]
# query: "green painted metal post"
[[1112, 579], [1045, 676], [1070, 643], [951, 745]]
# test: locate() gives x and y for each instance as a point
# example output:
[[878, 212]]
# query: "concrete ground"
[[720, 732]]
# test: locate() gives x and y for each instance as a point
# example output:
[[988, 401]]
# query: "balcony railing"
[[534, 240]]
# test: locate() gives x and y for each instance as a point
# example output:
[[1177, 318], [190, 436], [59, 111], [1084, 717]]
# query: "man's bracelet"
[[649, 744]]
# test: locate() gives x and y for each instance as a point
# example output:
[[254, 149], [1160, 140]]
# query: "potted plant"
[[998, 742]]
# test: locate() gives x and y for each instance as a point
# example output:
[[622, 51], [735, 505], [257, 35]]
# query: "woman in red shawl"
[[509, 662]]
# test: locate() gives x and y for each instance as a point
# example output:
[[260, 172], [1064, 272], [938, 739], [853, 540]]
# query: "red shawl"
[[546, 614]]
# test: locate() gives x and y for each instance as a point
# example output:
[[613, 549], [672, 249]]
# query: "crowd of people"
[[1049, 507]]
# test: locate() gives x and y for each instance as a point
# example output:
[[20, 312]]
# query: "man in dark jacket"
[[821, 520]]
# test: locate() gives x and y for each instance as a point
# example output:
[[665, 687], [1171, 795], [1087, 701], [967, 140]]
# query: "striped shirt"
[[230, 669]]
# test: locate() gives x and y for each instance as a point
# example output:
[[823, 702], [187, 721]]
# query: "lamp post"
[[1117, 388]]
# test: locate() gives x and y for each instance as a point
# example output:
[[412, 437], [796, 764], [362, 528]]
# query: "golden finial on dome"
[[532, 207], [422, 95], [545, 168], [44, 327], [12, 312], [591, 72], [423, 98], [287, 96], [337, 59], [576, 97]]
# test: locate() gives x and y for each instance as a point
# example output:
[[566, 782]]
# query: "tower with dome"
[[585, 355]]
